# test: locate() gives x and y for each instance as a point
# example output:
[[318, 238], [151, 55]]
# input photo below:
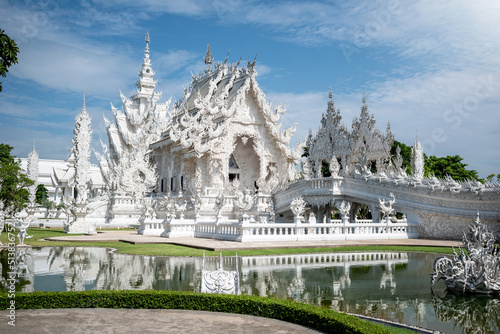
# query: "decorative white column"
[[32, 174], [81, 150], [417, 160]]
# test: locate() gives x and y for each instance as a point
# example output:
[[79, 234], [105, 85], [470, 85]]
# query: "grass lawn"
[[175, 250]]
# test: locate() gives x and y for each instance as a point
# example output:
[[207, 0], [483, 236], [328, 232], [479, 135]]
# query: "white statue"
[[244, 200], [475, 270], [306, 169], [22, 225], [298, 206], [345, 209], [334, 167], [417, 160], [386, 206]]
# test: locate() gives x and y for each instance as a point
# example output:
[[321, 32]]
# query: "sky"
[[429, 67]]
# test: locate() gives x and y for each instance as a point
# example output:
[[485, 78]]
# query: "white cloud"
[[71, 67], [173, 61]]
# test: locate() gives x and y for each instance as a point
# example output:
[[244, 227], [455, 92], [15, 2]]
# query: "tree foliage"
[[448, 166], [13, 182], [42, 194], [491, 177], [8, 54]]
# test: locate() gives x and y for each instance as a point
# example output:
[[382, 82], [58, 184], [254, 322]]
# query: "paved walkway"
[[219, 245], [97, 321]]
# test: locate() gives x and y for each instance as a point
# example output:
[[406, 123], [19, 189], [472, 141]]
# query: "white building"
[[58, 177]]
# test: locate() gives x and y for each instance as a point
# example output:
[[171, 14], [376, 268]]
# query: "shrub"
[[314, 317]]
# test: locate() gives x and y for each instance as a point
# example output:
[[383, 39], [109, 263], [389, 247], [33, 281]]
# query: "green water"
[[394, 286]]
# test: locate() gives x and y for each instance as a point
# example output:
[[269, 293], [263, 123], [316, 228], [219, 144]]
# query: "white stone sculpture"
[[125, 163], [220, 281], [345, 209], [417, 160], [32, 174], [244, 200], [298, 207], [386, 207], [306, 169], [334, 167], [395, 170], [81, 152], [361, 167], [22, 225], [335, 140], [224, 128], [475, 269]]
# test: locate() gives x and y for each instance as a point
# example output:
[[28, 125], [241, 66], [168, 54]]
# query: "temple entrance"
[[244, 164]]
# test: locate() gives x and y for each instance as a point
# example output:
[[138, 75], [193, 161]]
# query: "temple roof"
[[214, 100]]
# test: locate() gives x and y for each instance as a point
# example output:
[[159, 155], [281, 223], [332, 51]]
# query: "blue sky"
[[427, 66]]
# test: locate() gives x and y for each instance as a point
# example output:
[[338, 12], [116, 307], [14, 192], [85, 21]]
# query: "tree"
[[448, 166], [490, 177], [13, 182], [41, 194], [8, 54]]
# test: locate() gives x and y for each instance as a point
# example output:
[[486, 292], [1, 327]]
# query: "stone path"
[[219, 245], [97, 321]]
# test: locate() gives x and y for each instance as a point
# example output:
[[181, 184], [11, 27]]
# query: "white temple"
[[216, 164]]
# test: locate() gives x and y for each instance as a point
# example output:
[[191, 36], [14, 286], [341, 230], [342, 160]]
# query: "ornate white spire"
[[125, 163], [209, 59], [331, 106], [417, 159], [146, 84], [32, 174], [81, 150]]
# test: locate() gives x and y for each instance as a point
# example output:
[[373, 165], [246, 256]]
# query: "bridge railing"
[[327, 231]]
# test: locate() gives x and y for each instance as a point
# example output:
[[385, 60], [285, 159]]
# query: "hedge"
[[314, 317]]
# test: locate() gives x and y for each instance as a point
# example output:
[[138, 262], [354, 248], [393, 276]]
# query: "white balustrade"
[[151, 227]]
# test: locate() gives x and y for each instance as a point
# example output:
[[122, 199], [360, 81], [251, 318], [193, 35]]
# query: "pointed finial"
[[33, 144], [239, 61], [147, 37], [254, 61], [83, 99], [227, 57], [208, 56], [364, 98], [330, 94]]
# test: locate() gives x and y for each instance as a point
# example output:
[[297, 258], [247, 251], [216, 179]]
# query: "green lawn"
[[174, 250]]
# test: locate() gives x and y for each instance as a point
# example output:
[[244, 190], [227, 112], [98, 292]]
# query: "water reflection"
[[474, 314], [393, 286]]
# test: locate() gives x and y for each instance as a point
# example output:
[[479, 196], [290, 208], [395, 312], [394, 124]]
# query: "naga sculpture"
[[475, 269]]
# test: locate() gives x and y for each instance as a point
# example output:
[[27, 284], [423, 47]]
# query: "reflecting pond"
[[394, 286]]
